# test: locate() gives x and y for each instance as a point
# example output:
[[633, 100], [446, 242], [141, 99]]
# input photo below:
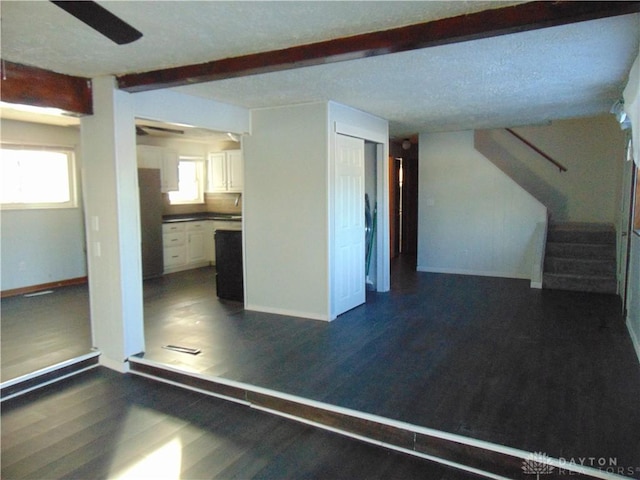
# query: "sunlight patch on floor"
[[164, 463]]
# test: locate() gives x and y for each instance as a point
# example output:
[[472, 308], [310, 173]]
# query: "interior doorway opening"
[[403, 196]]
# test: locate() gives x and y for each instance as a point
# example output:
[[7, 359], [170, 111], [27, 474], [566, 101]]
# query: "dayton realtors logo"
[[537, 464], [541, 464]]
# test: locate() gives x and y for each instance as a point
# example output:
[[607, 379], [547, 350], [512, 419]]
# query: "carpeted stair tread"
[[579, 266], [581, 250], [581, 233], [580, 283], [581, 257]]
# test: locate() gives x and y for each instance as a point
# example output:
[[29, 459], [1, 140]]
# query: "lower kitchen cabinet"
[[196, 242], [186, 245]]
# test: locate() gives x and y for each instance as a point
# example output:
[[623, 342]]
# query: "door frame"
[[383, 276], [629, 181]]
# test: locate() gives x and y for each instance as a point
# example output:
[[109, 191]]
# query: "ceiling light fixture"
[[621, 116]]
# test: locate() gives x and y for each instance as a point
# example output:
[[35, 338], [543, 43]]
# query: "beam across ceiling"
[[485, 24], [42, 88]]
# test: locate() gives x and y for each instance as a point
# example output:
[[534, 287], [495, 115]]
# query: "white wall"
[[472, 218], [632, 97], [113, 225], [45, 245], [286, 211], [175, 107]]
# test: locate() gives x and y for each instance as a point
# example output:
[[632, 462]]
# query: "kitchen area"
[[190, 190]]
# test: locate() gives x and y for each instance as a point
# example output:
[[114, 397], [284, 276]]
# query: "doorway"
[[403, 195], [360, 192]]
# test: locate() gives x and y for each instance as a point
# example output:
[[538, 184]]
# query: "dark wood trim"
[[380, 432], [411, 439], [42, 88], [561, 167], [43, 286], [485, 24], [215, 388], [48, 377]]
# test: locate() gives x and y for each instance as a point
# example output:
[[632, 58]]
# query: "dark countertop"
[[191, 217]]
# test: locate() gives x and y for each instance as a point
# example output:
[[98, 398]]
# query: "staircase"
[[581, 257]]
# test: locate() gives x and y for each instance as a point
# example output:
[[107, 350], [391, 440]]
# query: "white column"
[[113, 225]]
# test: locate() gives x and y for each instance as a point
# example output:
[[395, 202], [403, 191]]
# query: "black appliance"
[[229, 281]]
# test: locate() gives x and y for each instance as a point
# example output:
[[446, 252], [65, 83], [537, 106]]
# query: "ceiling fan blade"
[[101, 20], [162, 129]]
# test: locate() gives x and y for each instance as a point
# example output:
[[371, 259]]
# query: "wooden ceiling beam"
[[42, 88], [488, 23]]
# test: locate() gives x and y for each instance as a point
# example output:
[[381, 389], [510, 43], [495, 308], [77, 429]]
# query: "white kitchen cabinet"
[[174, 248], [196, 243], [164, 159], [186, 245], [225, 172]]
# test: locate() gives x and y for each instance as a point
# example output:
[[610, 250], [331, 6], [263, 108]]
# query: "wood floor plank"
[[198, 436], [488, 358]]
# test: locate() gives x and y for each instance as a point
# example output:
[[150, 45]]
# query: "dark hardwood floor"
[[488, 358], [101, 424], [43, 330]]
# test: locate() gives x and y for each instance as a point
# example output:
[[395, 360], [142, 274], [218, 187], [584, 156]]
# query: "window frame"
[[71, 174], [200, 179]]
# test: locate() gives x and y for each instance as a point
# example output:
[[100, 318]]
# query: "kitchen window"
[[190, 182], [37, 177]]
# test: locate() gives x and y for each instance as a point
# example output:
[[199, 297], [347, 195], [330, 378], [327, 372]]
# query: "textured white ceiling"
[[185, 32], [525, 78]]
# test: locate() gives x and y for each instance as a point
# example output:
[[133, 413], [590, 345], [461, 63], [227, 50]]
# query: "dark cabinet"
[[229, 281]]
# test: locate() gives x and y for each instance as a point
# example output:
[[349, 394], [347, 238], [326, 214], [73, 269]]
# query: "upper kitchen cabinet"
[[225, 172], [164, 159]]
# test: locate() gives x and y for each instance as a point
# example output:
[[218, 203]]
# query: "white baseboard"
[[537, 285], [634, 339], [480, 273], [289, 313]]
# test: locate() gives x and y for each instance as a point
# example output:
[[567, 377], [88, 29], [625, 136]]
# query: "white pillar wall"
[[113, 225]]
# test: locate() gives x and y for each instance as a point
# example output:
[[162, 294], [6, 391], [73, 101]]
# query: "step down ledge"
[[48, 375], [472, 455]]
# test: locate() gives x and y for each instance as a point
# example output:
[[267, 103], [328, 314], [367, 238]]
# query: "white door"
[[349, 258]]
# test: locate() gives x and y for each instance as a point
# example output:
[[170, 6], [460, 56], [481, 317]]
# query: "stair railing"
[[561, 167]]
